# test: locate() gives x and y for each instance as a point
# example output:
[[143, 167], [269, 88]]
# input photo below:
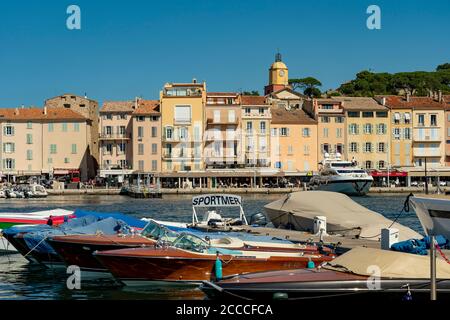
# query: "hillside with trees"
[[419, 83]]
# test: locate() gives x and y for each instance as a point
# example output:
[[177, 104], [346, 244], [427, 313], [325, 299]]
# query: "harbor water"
[[21, 280]]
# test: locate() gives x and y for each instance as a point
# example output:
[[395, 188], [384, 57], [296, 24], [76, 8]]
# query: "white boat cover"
[[341, 211], [391, 264]]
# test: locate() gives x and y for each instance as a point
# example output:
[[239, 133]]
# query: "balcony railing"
[[224, 121], [114, 136]]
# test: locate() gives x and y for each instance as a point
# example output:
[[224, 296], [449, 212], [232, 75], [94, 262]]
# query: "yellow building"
[[423, 134], [183, 123], [293, 141], [331, 125], [367, 137]]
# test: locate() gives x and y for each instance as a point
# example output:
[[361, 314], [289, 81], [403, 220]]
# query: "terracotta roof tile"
[[296, 116], [399, 102], [39, 114], [359, 103], [118, 106], [221, 94], [147, 107], [253, 100]]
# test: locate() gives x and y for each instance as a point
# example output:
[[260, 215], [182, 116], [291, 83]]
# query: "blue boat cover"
[[416, 246], [130, 220], [84, 225]]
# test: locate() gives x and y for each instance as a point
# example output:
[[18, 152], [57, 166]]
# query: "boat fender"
[[218, 268], [310, 264]]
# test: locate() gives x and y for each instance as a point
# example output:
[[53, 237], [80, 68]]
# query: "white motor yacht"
[[341, 176]]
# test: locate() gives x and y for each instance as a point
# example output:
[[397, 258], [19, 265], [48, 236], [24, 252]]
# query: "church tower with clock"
[[278, 76]]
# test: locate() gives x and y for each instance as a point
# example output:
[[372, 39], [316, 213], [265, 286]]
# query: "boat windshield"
[[190, 242], [156, 231], [351, 171], [341, 164]]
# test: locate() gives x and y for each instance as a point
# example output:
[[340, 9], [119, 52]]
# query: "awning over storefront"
[[393, 173], [65, 171]]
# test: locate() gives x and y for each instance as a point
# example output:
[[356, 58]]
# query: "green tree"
[[308, 85], [251, 93]]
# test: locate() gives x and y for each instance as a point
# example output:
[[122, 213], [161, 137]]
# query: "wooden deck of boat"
[[346, 243]]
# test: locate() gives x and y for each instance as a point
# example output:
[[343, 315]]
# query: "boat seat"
[[227, 242]]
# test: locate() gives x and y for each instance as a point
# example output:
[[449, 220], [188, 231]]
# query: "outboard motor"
[[258, 219]]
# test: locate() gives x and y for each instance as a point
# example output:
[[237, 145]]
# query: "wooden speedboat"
[[191, 260], [350, 276], [78, 249]]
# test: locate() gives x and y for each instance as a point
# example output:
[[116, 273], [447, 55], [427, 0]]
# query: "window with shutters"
[[353, 147], [64, 127], [53, 149], [306, 132], [29, 138], [381, 128], [182, 114], [154, 165], [9, 147], [154, 132], [76, 127], [66, 160], [368, 128], [50, 127], [154, 148], [74, 148], [396, 133], [140, 132], [29, 125], [141, 165], [140, 149], [284, 132], [9, 164], [368, 164], [368, 147], [407, 133], [353, 128], [381, 147], [8, 130], [262, 127], [29, 154]]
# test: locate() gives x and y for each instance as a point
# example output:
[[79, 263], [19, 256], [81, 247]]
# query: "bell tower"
[[278, 76]]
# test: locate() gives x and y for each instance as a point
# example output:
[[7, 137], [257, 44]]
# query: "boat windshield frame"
[[190, 242], [156, 231]]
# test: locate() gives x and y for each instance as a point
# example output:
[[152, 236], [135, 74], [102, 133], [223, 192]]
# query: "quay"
[[162, 191]]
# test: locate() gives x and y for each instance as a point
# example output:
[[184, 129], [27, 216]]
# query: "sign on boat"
[[213, 201]]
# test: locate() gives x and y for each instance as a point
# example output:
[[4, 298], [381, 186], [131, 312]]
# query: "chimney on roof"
[[408, 96], [16, 111], [85, 95], [440, 98], [383, 101], [45, 110], [194, 80]]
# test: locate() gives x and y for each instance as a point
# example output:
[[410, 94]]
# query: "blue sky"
[[131, 48]]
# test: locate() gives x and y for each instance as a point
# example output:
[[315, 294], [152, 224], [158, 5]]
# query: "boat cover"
[[83, 225], [128, 219], [418, 246], [341, 211], [392, 264]]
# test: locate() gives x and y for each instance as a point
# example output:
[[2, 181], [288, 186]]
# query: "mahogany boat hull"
[[78, 249], [140, 266]]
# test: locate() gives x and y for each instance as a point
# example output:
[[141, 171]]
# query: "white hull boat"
[[433, 212]]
